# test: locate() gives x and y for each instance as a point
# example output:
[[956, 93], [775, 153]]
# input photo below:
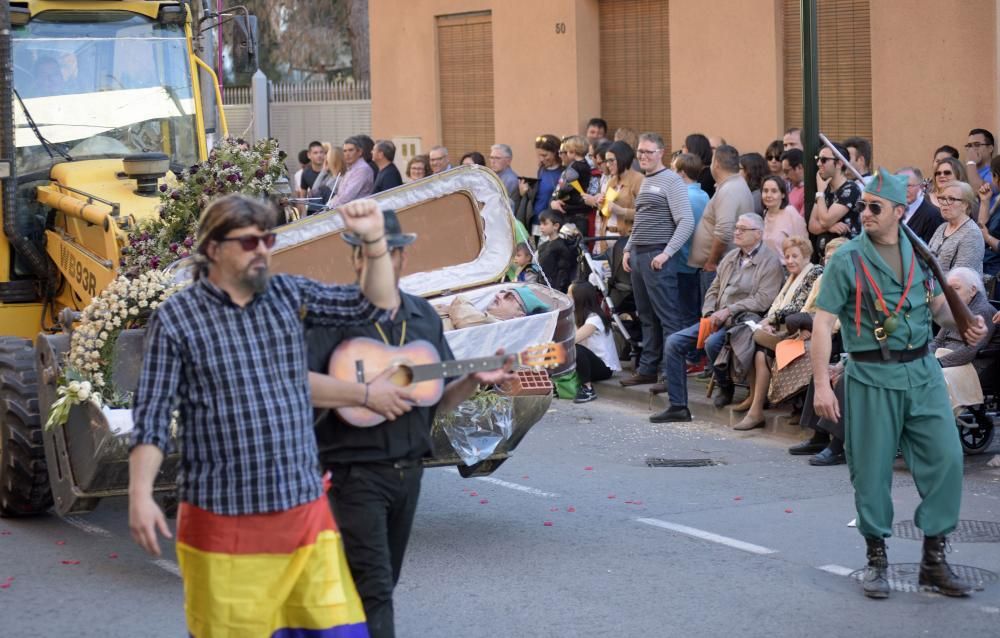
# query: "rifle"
[[959, 311]]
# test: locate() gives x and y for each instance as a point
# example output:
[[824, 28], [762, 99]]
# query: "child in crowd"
[[555, 256], [524, 270], [596, 355]]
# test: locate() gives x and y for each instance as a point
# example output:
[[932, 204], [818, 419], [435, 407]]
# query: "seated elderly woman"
[[958, 242], [796, 296], [951, 350]]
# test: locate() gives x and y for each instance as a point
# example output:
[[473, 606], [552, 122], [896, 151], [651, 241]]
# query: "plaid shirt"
[[238, 377]]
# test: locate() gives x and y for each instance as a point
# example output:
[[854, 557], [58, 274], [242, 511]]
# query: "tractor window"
[[101, 84]]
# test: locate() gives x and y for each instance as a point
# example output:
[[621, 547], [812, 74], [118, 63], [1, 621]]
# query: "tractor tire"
[[24, 478]]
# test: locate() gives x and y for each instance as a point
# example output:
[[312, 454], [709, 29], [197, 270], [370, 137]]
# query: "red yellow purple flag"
[[275, 575]]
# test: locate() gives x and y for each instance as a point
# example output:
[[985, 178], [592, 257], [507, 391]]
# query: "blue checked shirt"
[[239, 379]]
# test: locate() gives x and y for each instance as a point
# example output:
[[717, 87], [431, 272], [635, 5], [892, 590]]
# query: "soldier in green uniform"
[[896, 397]]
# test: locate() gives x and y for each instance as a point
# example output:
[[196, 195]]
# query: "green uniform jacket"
[[838, 295]]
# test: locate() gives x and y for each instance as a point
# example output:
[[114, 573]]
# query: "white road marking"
[[708, 536], [168, 566], [837, 570], [512, 486], [990, 610], [84, 526]]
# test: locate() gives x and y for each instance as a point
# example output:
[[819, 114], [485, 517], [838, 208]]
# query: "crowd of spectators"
[[724, 254]]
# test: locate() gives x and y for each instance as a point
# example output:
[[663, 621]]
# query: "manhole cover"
[[655, 461], [905, 577], [965, 532]]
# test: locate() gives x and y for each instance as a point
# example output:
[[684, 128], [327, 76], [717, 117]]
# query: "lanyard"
[[878, 292], [385, 339]]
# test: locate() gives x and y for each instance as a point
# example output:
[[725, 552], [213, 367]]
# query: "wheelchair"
[[977, 425]]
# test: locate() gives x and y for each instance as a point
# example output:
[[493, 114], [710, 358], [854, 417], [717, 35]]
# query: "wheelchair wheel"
[[975, 430]]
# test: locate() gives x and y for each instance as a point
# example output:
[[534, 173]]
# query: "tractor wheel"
[[24, 479]]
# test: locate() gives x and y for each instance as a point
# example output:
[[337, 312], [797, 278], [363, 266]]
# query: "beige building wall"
[[726, 71], [934, 76], [544, 81]]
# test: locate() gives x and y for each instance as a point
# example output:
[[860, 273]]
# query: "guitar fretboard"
[[448, 369]]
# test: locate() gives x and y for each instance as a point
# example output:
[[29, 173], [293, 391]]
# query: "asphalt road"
[[574, 536]]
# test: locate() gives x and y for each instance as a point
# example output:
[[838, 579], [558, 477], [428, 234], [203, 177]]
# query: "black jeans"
[[374, 507], [589, 366]]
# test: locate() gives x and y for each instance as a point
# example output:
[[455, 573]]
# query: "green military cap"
[[888, 186]]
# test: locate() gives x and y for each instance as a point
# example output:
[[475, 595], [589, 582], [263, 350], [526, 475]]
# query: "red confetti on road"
[[71, 562], [636, 502], [570, 509], [113, 555], [553, 509], [525, 476], [737, 498], [5, 532], [5, 585], [547, 523], [483, 502], [589, 468], [60, 542], [612, 496], [473, 493], [628, 502], [788, 511]]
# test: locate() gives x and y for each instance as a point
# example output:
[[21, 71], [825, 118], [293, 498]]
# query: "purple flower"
[[189, 242], [259, 174], [175, 195], [163, 188], [195, 168], [173, 247], [226, 165], [145, 236], [154, 262], [235, 177]]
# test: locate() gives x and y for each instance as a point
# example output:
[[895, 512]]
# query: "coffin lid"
[[464, 227]]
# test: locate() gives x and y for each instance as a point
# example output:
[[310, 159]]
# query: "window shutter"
[[845, 67], [465, 70], [635, 65]]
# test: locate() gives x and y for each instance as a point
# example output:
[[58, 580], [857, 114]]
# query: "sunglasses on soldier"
[[875, 208]]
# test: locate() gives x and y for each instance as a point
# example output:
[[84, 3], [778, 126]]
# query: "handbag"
[[790, 380]]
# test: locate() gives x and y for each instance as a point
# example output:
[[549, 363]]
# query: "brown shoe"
[[638, 379], [660, 387]]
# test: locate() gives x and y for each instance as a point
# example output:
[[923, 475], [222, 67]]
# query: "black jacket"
[[925, 220], [387, 178], [558, 261]]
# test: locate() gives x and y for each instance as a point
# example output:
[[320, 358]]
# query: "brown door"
[[465, 77], [635, 65]]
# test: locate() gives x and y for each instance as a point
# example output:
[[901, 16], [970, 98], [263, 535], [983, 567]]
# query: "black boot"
[[876, 583], [935, 572]]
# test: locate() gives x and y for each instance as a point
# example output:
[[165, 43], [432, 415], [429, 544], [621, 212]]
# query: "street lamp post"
[[810, 99]]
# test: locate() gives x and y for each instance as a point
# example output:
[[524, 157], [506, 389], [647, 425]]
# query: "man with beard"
[[257, 546]]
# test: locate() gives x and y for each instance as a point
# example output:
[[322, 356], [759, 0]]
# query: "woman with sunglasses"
[[958, 242], [946, 171], [773, 157]]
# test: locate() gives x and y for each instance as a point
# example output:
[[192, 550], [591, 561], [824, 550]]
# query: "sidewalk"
[[702, 409]]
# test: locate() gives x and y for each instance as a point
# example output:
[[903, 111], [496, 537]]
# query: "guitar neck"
[[447, 369]]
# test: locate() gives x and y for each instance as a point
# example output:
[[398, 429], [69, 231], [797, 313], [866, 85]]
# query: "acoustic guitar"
[[420, 369]]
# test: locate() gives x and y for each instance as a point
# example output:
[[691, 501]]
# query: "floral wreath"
[[233, 167]]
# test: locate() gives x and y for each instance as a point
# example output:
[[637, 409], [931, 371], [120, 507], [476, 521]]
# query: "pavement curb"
[[776, 421]]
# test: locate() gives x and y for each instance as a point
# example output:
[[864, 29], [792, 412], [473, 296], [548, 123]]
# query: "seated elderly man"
[[951, 350], [747, 281]]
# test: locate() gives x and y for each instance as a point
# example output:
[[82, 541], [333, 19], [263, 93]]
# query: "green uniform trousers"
[[920, 422]]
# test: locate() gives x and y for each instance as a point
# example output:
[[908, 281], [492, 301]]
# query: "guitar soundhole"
[[403, 376]]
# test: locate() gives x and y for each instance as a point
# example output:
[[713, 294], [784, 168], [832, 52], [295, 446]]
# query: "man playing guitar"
[[376, 471]]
